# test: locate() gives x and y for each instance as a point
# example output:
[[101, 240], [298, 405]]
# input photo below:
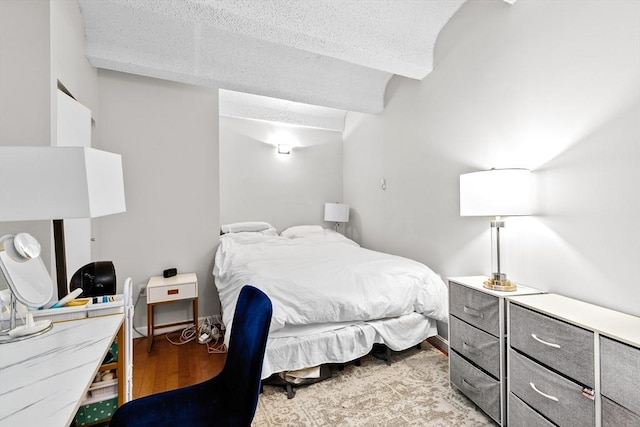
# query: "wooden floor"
[[170, 366]]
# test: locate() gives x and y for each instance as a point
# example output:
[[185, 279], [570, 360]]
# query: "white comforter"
[[324, 278]]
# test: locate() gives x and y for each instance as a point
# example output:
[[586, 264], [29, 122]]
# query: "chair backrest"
[[249, 332]]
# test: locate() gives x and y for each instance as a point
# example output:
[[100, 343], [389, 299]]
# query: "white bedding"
[[344, 343], [324, 278]]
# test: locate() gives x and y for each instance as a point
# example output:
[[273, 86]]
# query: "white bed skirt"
[[342, 342]]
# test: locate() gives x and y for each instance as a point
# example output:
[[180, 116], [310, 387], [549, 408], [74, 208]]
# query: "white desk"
[[44, 379]]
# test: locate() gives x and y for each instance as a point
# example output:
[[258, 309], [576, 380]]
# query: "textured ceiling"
[[338, 54]]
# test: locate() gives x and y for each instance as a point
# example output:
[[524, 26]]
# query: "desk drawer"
[[620, 373], [521, 414], [483, 390], [476, 308], [559, 345], [172, 292], [480, 347], [614, 415], [557, 398]]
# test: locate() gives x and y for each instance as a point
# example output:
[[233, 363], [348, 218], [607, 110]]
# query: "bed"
[[332, 299]]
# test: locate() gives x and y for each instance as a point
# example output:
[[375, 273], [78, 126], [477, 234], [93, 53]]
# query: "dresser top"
[[619, 326], [476, 282], [178, 279]]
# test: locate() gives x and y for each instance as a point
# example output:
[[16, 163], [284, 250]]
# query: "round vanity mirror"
[[26, 275]]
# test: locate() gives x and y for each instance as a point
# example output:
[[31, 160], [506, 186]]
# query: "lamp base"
[[499, 282]]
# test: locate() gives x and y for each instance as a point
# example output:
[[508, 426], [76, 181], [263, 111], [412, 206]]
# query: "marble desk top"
[[44, 379]]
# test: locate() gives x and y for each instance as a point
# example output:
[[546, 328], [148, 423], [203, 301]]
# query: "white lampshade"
[[38, 183], [336, 212], [496, 192]]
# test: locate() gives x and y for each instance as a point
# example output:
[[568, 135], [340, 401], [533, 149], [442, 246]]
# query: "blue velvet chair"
[[230, 398]]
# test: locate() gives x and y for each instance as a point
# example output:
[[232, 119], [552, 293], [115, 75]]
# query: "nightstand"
[[477, 341], [163, 290]]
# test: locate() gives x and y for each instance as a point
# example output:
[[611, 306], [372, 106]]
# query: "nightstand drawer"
[[521, 414], [555, 397], [172, 292], [620, 373], [483, 390], [476, 308], [559, 345], [480, 347], [614, 415]]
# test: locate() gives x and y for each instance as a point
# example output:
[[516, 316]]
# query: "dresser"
[[477, 356], [571, 363]]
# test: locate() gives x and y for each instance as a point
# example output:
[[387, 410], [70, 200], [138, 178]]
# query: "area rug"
[[413, 391]]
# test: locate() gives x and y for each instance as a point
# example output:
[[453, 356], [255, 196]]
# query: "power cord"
[[208, 334], [135, 308]]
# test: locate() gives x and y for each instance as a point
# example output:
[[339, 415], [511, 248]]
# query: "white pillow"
[[302, 230], [239, 227]]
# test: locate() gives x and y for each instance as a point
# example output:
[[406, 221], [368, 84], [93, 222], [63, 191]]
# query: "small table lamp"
[[336, 213], [496, 193], [57, 183]]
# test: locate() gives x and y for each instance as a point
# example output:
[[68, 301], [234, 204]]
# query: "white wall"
[[550, 86], [167, 134], [25, 98], [68, 62], [41, 42], [256, 184]]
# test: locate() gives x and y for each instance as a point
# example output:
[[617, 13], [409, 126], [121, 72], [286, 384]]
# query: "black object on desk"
[[96, 279]]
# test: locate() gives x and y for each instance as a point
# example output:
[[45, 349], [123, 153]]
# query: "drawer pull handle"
[[472, 312], [173, 291], [548, 396], [550, 344], [471, 386]]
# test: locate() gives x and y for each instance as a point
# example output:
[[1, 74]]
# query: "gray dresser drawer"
[[480, 347], [614, 415], [620, 373], [520, 414], [483, 390], [474, 307], [559, 345], [564, 403]]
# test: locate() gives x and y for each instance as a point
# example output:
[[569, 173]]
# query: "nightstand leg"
[[195, 315], [149, 326]]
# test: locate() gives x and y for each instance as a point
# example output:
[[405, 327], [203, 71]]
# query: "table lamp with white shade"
[[58, 183], [336, 213], [496, 193]]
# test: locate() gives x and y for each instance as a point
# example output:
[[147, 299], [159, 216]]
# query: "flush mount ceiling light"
[[284, 149]]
